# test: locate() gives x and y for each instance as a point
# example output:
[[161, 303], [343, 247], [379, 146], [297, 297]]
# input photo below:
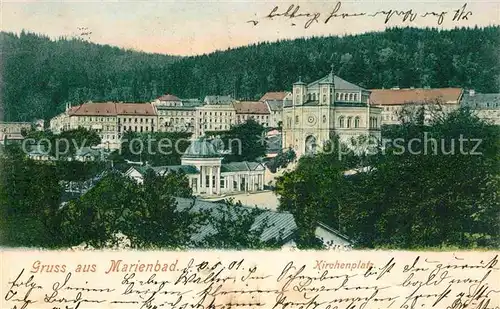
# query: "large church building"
[[324, 108]]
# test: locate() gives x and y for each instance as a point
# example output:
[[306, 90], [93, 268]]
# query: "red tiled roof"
[[250, 107], [93, 109], [112, 109], [274, 96], [419, 95], [168, 97], [143, 109]]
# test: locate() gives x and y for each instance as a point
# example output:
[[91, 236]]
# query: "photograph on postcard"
[[249, 154], [250, 125]]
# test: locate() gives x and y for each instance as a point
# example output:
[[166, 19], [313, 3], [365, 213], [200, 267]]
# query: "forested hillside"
[[41, 75]]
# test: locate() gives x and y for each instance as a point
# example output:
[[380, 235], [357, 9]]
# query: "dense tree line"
[[436, 186], [41, 75]]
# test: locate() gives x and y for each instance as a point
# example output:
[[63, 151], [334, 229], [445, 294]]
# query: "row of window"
[[346, 122], [178, 113], [217, 113], [137, 129], [141, 120]]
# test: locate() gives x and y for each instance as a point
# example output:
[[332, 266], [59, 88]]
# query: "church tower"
[[327, 89], [299, 93]]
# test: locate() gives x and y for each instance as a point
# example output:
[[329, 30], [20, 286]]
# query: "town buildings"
[[176, 115], [217, 114], [258, 111], [485, 105], [206, 173], [435, 101], [275, 102], [110, 120], [13, 130], [324, 108]]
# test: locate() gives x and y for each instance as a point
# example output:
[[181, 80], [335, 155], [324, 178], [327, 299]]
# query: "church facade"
[[324, 108]]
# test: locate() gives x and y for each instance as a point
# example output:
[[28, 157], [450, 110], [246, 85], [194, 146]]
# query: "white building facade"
[[206, 173]]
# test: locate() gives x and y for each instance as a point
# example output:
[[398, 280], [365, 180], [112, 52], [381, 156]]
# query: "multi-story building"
[[324, 108], [176, 115], [275, 102], [216, 115], [257, 111], [393, 101], [134, 117], [110, 120], [485, 105]]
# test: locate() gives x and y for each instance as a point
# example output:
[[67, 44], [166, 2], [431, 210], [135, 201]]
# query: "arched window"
[[356, 122], [324, 118], [337, 96], [349, 119], [309, 97], [341, 121]]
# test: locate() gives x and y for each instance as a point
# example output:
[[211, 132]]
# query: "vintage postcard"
[[249, 154]]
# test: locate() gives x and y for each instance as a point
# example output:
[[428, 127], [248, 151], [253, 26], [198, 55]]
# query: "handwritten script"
[[250, 280], [295, 14]]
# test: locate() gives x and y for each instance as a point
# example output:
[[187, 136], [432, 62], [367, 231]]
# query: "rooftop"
[[339, 83], [241, 166], [112, 109], [275, 105], [277, 95], [168, 97], [218, 100], [417, 95], [278, 224], [142, 109], [482, 100], [250, 107], [201, 148]]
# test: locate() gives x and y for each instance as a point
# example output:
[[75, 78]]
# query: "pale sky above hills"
[[196, 27]]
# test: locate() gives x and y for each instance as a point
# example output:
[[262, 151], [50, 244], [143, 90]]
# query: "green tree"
[[439, 194], [245, 142], [29, 200]]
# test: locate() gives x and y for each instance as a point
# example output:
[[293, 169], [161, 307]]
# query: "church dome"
[[201, 148]]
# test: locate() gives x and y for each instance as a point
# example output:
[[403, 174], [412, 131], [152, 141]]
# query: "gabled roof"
[[240, 166], [482, 100], [201, 148], [112, 109], [418, 96], [250, 107], [279, 224], [168, 97], [275, 105], [339, 83], [93, 109], [276, 95], [139, 109]]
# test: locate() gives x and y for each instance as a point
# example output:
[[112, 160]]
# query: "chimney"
[[472, 92]]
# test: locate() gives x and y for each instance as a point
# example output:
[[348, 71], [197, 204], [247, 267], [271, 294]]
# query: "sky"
[[197, 27]]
